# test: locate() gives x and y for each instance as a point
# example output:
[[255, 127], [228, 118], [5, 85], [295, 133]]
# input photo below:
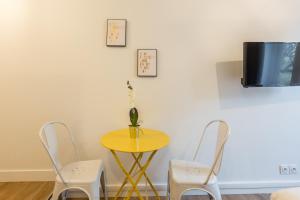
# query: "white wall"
[[55, 66]]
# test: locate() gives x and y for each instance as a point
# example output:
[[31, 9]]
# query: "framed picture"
[[147, 62], [116, 33]]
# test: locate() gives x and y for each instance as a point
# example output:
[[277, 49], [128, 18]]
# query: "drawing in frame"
[[116, 33], [147, 62]]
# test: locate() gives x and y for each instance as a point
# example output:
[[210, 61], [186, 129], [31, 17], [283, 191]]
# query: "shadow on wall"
[[233, 95]]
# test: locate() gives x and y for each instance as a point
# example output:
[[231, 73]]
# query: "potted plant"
[[134, 127]]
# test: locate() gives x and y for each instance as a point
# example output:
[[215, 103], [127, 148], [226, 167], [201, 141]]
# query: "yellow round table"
[[149, 141]]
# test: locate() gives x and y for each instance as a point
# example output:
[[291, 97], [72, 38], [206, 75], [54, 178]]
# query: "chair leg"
[[103, 185], [215, 190], [168, 186], [95, 190], [56, 191], [176, 191], [94, 197]]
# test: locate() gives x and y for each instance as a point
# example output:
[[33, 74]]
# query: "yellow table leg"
[[143, 169], [138, 158], [134, 189], [146, 176]]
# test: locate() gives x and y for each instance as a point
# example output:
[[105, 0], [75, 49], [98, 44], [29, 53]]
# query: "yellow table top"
[[120, 140]]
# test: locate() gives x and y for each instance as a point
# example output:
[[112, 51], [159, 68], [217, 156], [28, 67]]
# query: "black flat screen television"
[[271, 64]]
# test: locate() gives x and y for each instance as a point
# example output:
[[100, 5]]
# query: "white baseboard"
[[227, 187], [26, 175]]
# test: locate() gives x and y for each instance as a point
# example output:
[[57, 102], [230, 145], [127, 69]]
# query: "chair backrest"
[[223, 135], [49, 138]]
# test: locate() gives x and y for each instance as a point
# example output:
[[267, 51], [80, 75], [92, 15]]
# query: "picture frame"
[[147, 62], [116, 32]]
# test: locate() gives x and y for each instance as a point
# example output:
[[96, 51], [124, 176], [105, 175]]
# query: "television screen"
[[271, 64]]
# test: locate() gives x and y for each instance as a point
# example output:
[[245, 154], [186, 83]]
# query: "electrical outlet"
[[293, 169], [284, 169]]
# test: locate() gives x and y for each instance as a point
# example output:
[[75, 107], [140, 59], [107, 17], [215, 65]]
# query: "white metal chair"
[[86, 176], [191, 175]]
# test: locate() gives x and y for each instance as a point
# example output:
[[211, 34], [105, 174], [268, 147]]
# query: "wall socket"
[[285, 169], [293, 169]]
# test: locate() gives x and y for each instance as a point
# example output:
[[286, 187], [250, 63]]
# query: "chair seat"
[[81, 172], [188, 172], [287, 194]]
